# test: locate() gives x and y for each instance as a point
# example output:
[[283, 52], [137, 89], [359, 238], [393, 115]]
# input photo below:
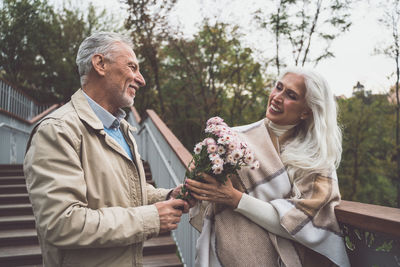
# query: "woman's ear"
[[98, 62], [305, 114]]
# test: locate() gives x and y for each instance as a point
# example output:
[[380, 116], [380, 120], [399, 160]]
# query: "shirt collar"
[[108, 119]]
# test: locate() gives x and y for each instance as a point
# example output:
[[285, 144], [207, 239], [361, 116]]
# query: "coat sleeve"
[[57, 190], [156, 194]]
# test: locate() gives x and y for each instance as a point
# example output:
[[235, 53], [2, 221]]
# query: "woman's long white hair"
[[317, 147]]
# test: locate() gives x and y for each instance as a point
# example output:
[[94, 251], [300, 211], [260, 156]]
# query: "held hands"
[[213, 191], [170, 214], [190, 202]]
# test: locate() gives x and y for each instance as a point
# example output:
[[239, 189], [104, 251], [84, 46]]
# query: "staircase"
[[19, 244]]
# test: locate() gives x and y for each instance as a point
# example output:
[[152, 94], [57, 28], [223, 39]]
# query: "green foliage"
[[368, 159], [39, 45], [213, 74]]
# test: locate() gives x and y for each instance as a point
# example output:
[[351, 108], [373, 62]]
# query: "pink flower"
[[212, 148], [232, 146], [221, 140], [215, 120], [209, 141], [212, 156], [210, 128]]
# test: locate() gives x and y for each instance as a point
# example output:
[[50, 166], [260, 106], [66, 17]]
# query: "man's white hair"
[[317, 146], [98, 43]]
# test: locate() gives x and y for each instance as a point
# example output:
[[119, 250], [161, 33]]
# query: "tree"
[[213, 74], [148, 25], [303, 24], [366, 169], [39, 45], [391, 20]]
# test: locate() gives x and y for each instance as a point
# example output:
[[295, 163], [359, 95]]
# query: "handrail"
[[170, 170], [19, 91], [5, 125], [181, 151], [15, 103], [369, 217], [34, 119]]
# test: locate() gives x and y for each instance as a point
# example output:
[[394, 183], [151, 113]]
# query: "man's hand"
[[169, 215], [189, 203]]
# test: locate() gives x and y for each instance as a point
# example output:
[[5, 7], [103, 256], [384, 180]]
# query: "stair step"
[[12, 237], [11, 167], [15, 209], [12, 188], [11, 172], [9, 180], [159, 245], [14, 198], [162, 260], [17, 222], [20, 255]]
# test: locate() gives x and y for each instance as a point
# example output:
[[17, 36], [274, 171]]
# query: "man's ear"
[[98, 62]]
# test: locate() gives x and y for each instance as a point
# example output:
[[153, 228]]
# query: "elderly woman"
[[283, 213]]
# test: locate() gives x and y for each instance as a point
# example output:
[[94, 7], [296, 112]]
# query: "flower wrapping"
[[220, 154]]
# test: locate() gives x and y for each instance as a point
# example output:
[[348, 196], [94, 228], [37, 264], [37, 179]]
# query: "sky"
[[354, 50]]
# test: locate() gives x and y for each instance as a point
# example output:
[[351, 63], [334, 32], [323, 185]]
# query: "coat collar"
[[84, 111]]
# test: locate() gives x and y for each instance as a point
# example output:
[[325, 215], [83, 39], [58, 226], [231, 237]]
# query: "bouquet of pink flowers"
[[220, 154]]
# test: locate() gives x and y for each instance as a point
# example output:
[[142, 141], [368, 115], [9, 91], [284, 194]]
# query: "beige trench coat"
[[91, 203]]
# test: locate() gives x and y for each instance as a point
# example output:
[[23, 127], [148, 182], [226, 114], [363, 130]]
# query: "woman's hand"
[[213, 191]]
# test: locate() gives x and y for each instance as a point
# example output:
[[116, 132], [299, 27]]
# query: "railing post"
[[9, 99], [31, 115]]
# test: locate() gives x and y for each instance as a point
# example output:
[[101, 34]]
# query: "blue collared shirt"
[[111, 123]]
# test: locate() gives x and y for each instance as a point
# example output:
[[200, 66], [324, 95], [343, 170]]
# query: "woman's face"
[[287, 103]]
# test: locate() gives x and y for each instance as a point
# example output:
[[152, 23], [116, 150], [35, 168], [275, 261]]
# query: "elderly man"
[[84, 175]]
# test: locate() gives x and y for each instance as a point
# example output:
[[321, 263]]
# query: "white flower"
[[218, 161], [217, 169], [231, 159], [255, 165], [248, 157], [237, 154], [198, 147], [221, 150]]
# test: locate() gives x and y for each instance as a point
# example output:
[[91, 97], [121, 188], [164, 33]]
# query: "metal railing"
[[18, 104], [168, 171]]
